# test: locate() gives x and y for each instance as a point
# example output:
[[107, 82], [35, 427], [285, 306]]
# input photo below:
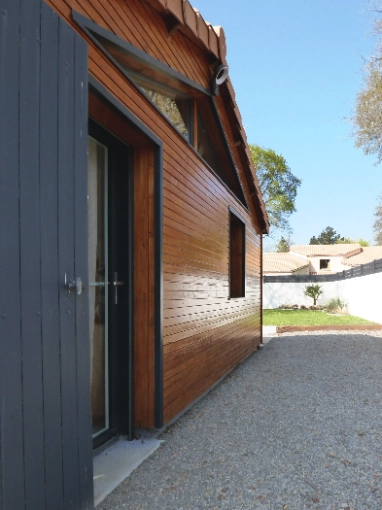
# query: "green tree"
[[278, 185], [367, 119], [282, 246], [327, 236], [348, 240], [313, 291], [377, 227]]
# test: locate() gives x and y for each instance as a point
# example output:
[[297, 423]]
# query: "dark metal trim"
[[220, 124], [130, 77], [119, 327], [138, 54], [100, 90], [261, 287], [233, 211], [89, 26], [244, 259], [130, 290], [244, 252], [158, 298]]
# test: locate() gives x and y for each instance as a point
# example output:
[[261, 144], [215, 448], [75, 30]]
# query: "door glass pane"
[[98, 295]]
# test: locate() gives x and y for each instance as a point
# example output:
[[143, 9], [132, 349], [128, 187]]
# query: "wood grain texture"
[[205, 334], [41, 460], [144, 291], [142, 26]]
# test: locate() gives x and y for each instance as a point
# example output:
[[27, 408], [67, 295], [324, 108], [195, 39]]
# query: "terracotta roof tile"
[[368, 254], [312, 250], [215, 42], [175, 7], [282, 263], [189, 17], [183, 11], [222, 43], [202, 28]]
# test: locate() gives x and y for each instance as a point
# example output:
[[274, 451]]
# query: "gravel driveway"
[[298, 425]]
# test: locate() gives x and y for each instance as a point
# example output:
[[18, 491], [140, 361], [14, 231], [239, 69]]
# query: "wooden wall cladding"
[[205, 334], [143, 256], [130, 21]]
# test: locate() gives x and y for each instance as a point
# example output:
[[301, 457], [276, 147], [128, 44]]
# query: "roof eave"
[[213, 39]]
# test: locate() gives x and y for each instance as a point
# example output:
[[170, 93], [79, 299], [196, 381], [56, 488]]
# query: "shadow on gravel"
[[297, 425]]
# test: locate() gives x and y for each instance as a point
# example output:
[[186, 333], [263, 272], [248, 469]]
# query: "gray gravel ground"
[[298, 425]]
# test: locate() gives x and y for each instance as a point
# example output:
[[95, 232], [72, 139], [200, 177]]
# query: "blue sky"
[[296, 66]]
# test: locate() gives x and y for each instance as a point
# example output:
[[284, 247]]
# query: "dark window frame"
[[324, 264], [98, 89], [237, 255], [172, 95], [106, 40]]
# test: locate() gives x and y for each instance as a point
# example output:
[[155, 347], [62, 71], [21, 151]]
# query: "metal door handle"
[[75, 284], [116, 284]]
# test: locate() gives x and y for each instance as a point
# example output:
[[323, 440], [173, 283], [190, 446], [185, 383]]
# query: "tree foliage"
[[278, 185], [168, 107], [282, 246], [368, 115], [330, 236], [377, 226], [327, 236], [313, 291], [349, 240], [367, 119]]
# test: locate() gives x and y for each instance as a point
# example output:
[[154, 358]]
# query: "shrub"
[[336, 305], [313, 291]]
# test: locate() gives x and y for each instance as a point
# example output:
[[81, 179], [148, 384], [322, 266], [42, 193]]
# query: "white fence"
[[362, 293]]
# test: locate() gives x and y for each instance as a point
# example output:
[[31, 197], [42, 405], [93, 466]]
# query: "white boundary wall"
[[363, 295]]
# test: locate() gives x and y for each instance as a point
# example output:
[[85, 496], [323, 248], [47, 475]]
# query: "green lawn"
[[307, 318]]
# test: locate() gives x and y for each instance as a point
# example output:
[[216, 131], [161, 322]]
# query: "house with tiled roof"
[[284, 263], [368, 254], [319, 259]]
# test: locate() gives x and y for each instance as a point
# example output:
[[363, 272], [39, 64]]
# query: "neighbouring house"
[[319, 259], [131, 232], [284, 263], [367, 255]]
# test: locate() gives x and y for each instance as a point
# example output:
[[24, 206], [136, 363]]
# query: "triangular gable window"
[[177, 111], [187, 105]]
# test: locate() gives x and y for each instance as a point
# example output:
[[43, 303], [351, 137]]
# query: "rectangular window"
[[324, 263], [237, 255]]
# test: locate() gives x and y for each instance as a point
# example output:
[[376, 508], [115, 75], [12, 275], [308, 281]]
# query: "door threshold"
[[116, 462]]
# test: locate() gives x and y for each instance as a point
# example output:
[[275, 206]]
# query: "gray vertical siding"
[[45, 442], [49, 257], [12, 440], [85, 451]]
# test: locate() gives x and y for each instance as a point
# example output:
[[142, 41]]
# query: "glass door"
[[110, 249], [98, 284]]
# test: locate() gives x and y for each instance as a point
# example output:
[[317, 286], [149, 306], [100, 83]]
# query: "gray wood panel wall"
[[45, 425]]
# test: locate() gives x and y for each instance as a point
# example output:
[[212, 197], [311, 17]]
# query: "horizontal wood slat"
[[205, 334]]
